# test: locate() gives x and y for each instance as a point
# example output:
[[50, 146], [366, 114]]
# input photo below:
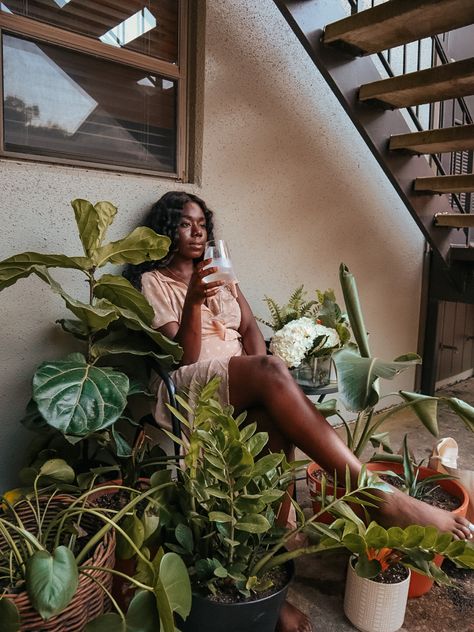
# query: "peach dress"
[[220, 320]]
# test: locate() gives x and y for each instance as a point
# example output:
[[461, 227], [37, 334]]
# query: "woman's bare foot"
[[403, 510], [292, 620]]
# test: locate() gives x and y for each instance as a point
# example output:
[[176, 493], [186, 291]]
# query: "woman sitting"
[[219, 336]]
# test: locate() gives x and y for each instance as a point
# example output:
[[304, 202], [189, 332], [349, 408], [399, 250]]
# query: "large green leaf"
[[121, 292], [92, 222], [58, 470], [95, 317], [358, 377], [142, 244], [425, 408], [9, 616], [130, 343], [175, 580], [77, 398], [354, 310], [75, 327], [51, 580], [110, 622], [253, 523], [133, 527], [142, 616], [463, 410], [134, 322], [21, 266], [327, 408]]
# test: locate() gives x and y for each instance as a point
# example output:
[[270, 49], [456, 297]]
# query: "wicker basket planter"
[[89, 601]]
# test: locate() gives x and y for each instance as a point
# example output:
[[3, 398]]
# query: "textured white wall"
[[294, 188]]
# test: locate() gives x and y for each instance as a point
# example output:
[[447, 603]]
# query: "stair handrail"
[[437, 46]]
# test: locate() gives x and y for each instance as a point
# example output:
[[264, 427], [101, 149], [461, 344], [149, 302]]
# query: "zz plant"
[[86, 392], [220, 516], [376, 548]]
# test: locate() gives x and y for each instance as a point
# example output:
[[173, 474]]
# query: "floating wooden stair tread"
[[425, 86], [454, 220], [462, 253], [435, 141], [446, 184], [398, 22]]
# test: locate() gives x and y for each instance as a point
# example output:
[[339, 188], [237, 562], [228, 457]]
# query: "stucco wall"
[[294, 188]]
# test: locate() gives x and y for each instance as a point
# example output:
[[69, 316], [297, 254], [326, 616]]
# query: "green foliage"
[[86, 394], [51, 580], [411, 484], [45, 558], [296, 307], [359, 374], [377, 548], [324, 310], [220, 516]]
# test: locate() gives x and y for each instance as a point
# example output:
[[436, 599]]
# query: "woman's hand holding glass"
[[199, 288], [221, 268]]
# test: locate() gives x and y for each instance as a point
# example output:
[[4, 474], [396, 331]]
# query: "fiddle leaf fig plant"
[[359, 373], [86, 392]]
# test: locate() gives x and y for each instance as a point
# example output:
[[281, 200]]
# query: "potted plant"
[[220, 517], [359, 374], [306, 333], [379, 569], [56, 559], [427, 485], [84, 396]]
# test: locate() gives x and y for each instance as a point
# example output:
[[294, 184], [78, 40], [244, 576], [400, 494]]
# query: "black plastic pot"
[[260, 615]]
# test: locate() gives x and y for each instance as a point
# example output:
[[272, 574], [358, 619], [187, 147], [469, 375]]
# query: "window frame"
[[18, 25]]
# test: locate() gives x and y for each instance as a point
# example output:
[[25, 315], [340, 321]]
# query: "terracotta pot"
[[420, 584], [374, 607], [314, 485]]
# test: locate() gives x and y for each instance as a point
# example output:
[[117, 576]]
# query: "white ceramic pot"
[[374, 607]]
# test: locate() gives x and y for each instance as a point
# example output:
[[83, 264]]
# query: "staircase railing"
[[435, 114]]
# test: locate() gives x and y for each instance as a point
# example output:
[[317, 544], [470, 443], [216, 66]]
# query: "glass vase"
[[314, 371]]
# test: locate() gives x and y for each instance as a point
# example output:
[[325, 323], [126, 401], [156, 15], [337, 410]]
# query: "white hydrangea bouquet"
[[307, 330], [303, 338]]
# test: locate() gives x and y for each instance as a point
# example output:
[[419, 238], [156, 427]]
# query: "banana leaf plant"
[[86, 393], [359, 373], [43, 556]]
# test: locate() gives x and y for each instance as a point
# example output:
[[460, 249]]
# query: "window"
[[97, 83]]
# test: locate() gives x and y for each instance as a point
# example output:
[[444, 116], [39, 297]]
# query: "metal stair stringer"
[[345, 74]]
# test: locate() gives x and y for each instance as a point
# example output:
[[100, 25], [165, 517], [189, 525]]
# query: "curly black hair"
[[164, 218]]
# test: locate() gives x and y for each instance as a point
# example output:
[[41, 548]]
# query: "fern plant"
[[296, 307]]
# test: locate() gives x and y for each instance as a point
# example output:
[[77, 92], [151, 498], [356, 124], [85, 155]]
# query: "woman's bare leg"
[[265, 381]]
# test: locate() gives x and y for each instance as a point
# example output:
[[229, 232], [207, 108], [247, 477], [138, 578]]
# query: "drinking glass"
[[218, 251]]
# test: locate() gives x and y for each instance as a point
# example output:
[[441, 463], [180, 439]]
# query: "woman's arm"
[[188, 332], [252, 338]]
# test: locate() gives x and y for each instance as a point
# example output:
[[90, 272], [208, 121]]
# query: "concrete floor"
[[318, 589]]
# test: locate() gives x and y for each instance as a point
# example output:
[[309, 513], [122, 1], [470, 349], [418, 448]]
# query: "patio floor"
[[318, 589]]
